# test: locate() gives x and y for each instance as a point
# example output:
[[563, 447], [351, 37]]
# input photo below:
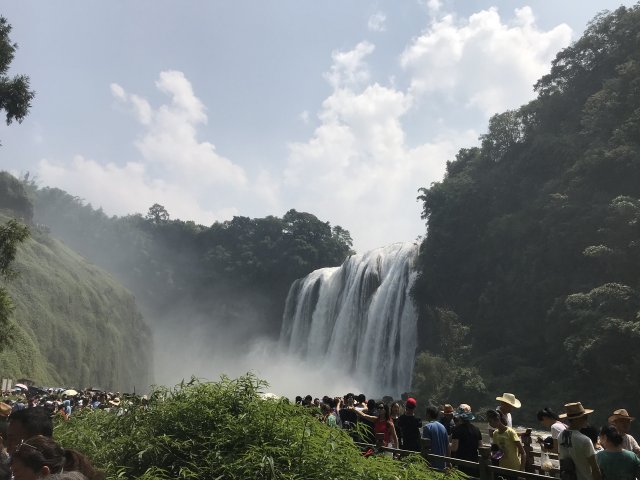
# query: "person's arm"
[[595, 469], [394, 435], [523, 456], [454, 445], [372, 418]]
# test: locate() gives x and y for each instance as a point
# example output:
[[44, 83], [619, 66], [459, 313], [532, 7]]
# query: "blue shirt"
[[437, 433]]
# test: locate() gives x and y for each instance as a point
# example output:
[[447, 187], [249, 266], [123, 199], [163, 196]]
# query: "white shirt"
[[556, 429], [578, 447]]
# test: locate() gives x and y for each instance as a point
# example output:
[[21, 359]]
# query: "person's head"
[[371, 406], [395, 410], [447, 411], [621, 420], [348, 399], [410, 405], [576, 415], [383, 412], [37, 457], [547, 417], [28, 423], [325, 409], [464, 413], [508, 402], [432, 412], [496, 419], [361, 399], [610, 437]]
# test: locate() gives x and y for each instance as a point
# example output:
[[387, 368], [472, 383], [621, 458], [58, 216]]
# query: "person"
[[466, 438], [409, 427], [446, 417], [550, 420], [436, 433], [575, 450], [347, 413], [508, 442], [622, 421], [508, 402], [383, 427], [37, 457], [615, 462]]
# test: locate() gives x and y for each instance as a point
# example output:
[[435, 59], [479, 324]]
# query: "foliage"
[[241, 268], [529, 234], [12, 233], [15, 96], [225, 430], [72, 323]]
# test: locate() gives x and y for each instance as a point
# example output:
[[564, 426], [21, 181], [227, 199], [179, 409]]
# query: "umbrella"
[[21, 385], [70, 393]]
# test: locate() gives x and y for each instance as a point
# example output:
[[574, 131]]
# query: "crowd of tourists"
[[584, 452], [28, 451]]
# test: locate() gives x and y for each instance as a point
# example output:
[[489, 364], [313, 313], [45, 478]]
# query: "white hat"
[[511, 399]]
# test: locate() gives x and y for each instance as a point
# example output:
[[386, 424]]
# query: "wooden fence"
[[485, 470]]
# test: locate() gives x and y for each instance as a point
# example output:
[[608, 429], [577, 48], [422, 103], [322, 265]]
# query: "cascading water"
[[358, 318]]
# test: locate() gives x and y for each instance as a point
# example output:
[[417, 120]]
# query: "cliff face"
[[73, 324]]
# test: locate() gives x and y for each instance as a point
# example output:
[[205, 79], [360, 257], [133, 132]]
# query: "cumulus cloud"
[[377, 22], [175, 168], [357, 168], [483, 62]]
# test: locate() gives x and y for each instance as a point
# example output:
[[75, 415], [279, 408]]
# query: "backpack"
[[567, 465]]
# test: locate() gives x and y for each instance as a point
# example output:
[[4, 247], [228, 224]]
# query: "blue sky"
[[215, 109]]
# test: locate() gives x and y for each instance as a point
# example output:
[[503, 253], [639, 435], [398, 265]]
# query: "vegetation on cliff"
[[533, 244]]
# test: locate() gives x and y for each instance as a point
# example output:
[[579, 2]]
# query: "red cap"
[[411, 403]]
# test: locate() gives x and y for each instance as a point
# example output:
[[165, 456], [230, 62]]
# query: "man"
[[465, 438], [622, 421], [409, 427], [508, 441], [26, 423], [435, 432], [508, 402], [576, 448]]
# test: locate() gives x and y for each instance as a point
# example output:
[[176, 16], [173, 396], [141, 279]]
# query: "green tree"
[[15, 95], [12, 233], [157, 214]]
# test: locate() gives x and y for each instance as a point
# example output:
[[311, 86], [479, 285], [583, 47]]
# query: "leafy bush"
[[225, 430]]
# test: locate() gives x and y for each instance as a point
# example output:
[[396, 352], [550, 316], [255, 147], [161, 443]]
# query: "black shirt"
[[468, 436], [409, 432]]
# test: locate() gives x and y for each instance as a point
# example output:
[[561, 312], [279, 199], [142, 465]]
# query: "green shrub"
[[225, 430]]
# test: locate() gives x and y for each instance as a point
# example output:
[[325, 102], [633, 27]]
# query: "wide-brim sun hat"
[[575, 410], [511, 399], [619, 414]]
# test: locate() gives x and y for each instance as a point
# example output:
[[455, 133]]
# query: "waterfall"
[[358, 318]]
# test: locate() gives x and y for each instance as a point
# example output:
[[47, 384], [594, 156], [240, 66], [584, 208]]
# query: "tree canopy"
[[533, 237]]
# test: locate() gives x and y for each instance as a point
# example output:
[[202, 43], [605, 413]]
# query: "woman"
[[465, 438], [550, 420], [383, 427], [41, 456], [616, 463]]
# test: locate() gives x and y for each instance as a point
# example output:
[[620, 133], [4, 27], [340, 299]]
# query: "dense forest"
[[529, 275]]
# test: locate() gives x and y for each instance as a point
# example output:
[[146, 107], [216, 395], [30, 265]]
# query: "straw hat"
[[511, 399], [575, 410], [621, 413]]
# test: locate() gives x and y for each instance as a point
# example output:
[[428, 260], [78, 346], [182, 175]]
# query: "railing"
[[486, 471]]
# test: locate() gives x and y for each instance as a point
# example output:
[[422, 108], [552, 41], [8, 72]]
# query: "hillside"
[[73, 324], [529, 274]]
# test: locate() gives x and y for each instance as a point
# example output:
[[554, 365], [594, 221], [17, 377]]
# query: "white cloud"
[[482, 62], [357, 169], [175, 168], [377, 22], [348, 69]]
